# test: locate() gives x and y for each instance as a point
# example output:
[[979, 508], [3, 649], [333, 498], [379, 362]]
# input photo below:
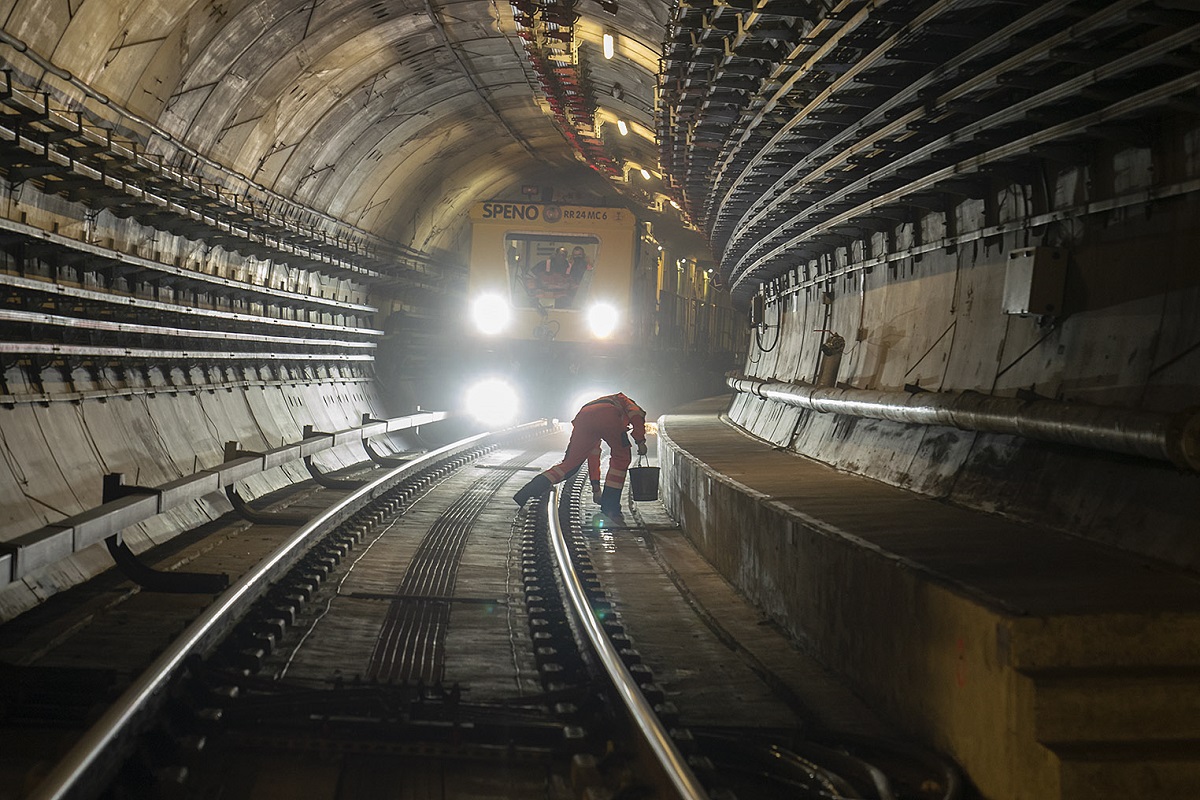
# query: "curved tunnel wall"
[[56, 454], [140, 340], [935, 321], [256, 168], [876, 171]]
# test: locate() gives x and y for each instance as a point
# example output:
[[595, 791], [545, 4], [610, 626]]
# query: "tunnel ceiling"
[[394, 116], [783, 130]]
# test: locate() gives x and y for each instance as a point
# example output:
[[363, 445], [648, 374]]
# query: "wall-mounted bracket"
[[261, 517], [155, 581], [384, 461], [330, 483], [147, 577], [233, 452]]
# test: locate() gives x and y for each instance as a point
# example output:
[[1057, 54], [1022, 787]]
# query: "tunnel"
[[908, 292]]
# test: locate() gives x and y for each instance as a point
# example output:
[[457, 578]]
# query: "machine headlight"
[[491, 314], [493, 402], [602, 319]]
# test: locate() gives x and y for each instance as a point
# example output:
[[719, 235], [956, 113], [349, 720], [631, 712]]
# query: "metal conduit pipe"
[[1165, 437]]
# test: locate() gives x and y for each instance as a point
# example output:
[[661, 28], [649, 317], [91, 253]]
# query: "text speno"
[[511, 211]]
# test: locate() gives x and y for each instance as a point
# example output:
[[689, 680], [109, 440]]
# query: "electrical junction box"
[[756, 310], [1034, 278]]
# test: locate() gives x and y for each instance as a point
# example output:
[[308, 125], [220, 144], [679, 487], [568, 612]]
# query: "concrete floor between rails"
[[1048, 666]]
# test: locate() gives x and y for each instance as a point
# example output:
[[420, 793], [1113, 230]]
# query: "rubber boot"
[[610, 506], [535, 487]]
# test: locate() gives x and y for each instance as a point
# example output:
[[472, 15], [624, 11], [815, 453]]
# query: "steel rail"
[[142, 698], [653, 733], [412, 645]]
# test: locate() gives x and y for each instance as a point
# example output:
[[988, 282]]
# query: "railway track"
[[417, 638]]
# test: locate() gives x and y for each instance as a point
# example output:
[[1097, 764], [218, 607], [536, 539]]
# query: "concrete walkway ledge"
[[1048, 666]]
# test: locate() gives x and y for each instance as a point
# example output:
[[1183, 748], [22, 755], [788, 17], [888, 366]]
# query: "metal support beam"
[[249, 514], [329, 483], [243, 509], [382, 460], [145, 576]]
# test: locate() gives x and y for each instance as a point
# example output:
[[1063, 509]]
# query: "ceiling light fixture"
[[610, 45], [646, 174], [622, 127]]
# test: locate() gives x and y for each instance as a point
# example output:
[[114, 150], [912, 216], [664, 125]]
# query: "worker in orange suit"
[[607, 419], [593, 462]]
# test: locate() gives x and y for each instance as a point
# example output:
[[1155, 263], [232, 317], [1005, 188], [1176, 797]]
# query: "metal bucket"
[[643, 483]]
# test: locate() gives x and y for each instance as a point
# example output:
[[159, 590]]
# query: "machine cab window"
[[550, 271]]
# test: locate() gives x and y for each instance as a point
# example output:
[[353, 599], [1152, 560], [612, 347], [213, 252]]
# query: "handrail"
[[1149, 434], [56, 541], [655, 735]]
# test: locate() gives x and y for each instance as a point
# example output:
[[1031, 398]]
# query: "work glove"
[[596, 493], [641, 448]]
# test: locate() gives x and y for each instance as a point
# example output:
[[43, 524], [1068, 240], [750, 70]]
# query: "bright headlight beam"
[[493, 402], [491, 314], [602, 320]]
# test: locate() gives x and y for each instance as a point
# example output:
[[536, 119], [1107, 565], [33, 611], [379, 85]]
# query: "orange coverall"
[[603, 419]]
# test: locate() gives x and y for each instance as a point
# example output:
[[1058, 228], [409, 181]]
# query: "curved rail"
[[36, 549], [141, 698], [653, 733]]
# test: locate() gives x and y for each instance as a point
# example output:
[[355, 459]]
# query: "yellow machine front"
[[552, 273]]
